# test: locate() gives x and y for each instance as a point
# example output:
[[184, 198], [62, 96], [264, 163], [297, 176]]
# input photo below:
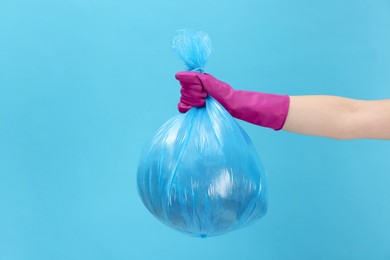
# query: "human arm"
[[328, 116], [338, 117]]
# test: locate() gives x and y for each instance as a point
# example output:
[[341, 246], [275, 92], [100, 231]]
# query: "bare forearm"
[[338, 117]]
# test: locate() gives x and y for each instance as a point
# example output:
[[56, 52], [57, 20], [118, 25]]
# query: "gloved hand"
[[268, 110]]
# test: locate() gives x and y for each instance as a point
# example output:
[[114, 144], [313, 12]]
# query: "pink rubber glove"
[[268, 110]]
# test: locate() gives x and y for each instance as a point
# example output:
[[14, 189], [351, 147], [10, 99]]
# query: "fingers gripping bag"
[[200, 173]]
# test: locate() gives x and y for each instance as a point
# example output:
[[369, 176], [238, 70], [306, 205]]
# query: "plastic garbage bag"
[[200, 173]]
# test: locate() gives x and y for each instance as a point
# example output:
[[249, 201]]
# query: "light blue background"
[[83, 84]]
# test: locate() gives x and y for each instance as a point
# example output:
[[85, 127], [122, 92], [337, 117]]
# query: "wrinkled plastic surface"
[[193, 48], [200, 173]]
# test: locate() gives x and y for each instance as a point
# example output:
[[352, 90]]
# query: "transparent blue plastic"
[[194, 48], [200, 173]]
